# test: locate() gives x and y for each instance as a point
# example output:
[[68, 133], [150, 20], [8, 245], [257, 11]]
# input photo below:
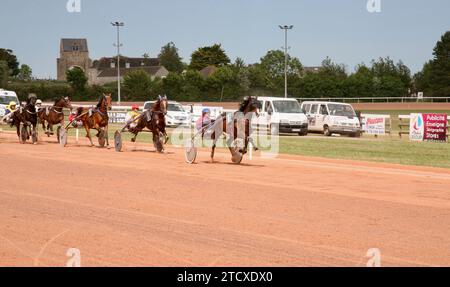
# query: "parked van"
[[282, 115], [332, 118], [5, 98], [176, 115]]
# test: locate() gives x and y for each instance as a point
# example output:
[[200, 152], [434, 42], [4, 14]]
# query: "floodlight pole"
[[118, 45], [286, 28]]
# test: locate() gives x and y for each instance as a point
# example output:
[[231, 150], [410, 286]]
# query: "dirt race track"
[[140, 208]]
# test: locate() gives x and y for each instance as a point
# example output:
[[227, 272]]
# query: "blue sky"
[[343, 30]]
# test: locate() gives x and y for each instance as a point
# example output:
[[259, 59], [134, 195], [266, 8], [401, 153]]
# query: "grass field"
[[390, 149]]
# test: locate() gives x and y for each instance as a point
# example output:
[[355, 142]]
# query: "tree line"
[[231, 80]]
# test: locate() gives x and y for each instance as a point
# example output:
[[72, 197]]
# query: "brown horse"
[[26, 116], [96, 118], [238, 127], [53, 115], [155, 121]]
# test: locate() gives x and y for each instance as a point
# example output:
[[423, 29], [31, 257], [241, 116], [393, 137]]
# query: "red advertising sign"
[[435, 127]]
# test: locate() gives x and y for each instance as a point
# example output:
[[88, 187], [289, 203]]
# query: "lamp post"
[[285, 28], [118, 45]]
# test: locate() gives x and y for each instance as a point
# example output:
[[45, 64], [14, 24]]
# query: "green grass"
[[379, 150]]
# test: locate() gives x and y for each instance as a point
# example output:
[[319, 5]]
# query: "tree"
[[209, 56], [390, 80], [360, 83], [25, 73], [138, 85], [173, 86], [193, 88], [77, 80], [439, 69], [269, 73], [170, 59], [4, 74], [8, 56]]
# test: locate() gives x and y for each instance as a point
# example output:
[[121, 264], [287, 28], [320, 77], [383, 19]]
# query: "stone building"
[[104, 70], [73, 53]]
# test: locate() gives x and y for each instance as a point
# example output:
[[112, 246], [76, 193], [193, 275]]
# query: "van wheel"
[[303, 134], [326, 131]]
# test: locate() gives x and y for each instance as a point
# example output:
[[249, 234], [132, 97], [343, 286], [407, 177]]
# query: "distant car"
[[332, 118], [5, 98], [176, 114], [282, 115]]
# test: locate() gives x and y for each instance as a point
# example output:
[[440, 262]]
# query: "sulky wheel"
[[63, 137], [101, 138], [23, 134], [118, 141], [157, 143], [34, 136], [190, 151]]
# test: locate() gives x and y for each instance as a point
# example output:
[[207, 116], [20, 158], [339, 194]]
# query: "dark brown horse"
[[237, 128], [53, 115], [96, 118], [155, 121], [26, 116]]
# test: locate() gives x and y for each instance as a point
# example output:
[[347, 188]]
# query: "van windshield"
[[4, 100], [175, 108], [288, 107], [341, 110]]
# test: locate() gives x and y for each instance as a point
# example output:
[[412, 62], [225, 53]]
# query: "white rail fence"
[[381, 100]]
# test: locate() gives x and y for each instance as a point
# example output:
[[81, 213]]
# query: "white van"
[[5, 98], [332, 118], [282, 115], [176, 115]]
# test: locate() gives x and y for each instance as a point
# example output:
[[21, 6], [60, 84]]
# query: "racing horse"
[[238, 127], [53, 115], [26, 116], [154, 120], [96, 118]]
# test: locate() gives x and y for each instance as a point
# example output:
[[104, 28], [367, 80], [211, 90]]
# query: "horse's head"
[[67, 103], [106, 102], [63, 102], [162, 103], [31, 100], [250, 105]]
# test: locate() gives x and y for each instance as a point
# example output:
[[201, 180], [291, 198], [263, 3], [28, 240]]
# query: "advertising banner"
[[435, 127], [374, 125], [428, 127]]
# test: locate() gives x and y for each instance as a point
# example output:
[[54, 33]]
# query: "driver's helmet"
[[134, 107], [12, 105], [38, 102], [206, 111]]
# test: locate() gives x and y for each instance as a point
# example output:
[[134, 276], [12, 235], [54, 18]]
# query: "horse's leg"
[[107, 137], [18, 130], [213, 136], [50, 128], [88, 134], [133, 139]]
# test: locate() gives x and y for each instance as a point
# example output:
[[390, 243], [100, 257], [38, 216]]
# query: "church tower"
[[73, 53]]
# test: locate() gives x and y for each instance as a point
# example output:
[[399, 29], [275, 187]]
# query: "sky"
[[344, 30]]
